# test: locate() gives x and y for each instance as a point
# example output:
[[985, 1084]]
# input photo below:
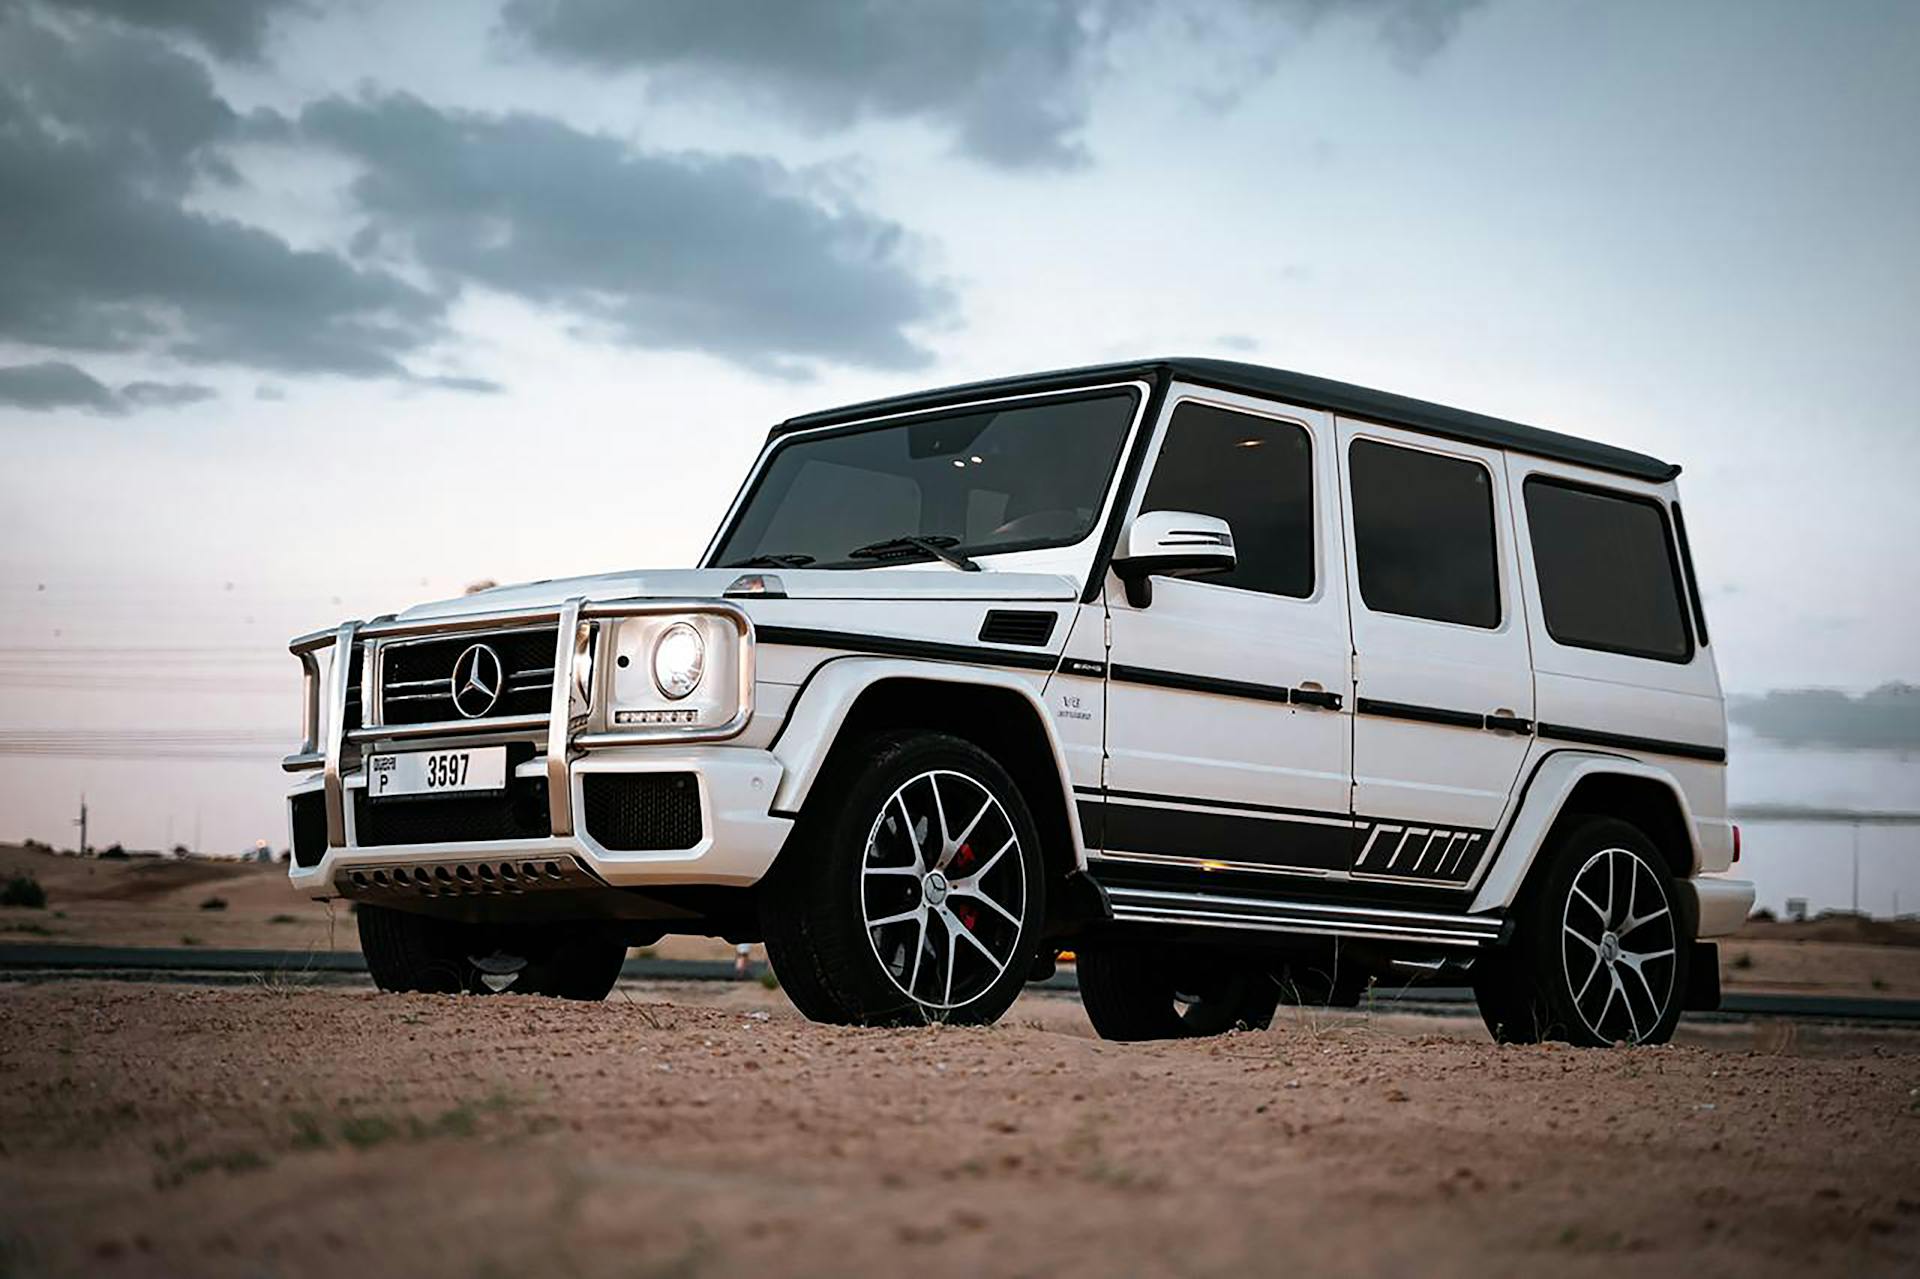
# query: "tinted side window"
[[1607, 572], [1254, 473], [1423, 534]]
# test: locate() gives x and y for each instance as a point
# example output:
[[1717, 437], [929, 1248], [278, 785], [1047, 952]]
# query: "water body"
[[1817, 861]]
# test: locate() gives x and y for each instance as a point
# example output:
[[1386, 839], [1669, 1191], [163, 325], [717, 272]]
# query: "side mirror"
[[1171, 544]]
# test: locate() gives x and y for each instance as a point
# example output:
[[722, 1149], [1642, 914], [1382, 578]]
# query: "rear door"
[[1443, 689]]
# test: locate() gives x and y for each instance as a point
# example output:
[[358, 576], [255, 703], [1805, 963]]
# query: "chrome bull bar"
[[325, 737]]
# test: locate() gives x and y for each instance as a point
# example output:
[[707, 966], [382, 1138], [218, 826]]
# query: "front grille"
[[309, 821], [520, 813], [416, 679], [642, 812], [355, 666]]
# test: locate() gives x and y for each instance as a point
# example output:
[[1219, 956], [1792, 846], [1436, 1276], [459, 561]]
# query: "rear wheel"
[[409, 952], [913, 891], [1599, 953], [1152, 990]]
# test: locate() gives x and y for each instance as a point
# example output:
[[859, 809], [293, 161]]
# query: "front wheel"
[[1599, 953], [913, 891], [410, 952]]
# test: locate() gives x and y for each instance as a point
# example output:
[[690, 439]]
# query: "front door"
[[1227, 731], [1444, 679]]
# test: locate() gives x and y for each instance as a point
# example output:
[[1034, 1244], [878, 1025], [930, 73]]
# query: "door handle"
[[1307, 695], [1503, 722]]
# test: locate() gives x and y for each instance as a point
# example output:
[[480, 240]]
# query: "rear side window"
[[1254, 473], [1609, 578], [1423, 534]]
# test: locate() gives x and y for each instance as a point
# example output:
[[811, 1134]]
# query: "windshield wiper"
[[773, 561], [938, 545]]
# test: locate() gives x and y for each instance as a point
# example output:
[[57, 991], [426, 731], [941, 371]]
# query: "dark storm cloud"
[[728, 255], [235, 30], [471, 385], [1888, 718], [1011, 79], [113, 142], [56, 384], [103, 132], [165, 395]]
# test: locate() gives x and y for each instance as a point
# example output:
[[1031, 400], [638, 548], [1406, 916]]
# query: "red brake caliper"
[[966, 912]]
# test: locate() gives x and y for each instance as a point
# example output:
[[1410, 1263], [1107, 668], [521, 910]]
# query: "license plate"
[[437, 772]]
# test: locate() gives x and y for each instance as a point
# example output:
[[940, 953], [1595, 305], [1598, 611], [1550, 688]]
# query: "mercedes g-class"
[[1243, 685]]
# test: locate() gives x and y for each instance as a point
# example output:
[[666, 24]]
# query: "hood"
[[916, 582]]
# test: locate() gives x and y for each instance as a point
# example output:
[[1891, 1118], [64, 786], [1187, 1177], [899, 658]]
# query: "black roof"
[[1292, 388]]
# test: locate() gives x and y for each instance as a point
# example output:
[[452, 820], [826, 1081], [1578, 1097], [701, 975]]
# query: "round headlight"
[[679, 658]]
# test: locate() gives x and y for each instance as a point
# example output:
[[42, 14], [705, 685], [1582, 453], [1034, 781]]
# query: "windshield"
[[975, 481]]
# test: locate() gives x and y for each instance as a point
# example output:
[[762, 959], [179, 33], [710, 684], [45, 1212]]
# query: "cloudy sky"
[[309, 311]]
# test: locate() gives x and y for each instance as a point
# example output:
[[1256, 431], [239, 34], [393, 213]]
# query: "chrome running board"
[[1208, 910]]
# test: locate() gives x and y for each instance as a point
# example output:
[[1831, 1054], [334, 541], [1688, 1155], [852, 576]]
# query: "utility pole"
[[82, 824], [1856, 868]]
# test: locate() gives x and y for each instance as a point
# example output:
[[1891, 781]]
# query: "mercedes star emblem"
[[477, 680]]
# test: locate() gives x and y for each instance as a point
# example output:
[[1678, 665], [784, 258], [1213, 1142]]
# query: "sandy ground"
[[679, 1131], [150, 902]]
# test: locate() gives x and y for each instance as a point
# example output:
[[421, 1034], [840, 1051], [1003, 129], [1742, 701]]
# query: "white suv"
[[1243, 685]]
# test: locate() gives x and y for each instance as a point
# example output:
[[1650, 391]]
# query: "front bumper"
[[739, 838], [544, 816]]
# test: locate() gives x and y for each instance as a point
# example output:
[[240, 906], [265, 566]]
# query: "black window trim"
[[1158, 444], [1673, 566], [1142, 395], [1494, 502], [1693, 585]]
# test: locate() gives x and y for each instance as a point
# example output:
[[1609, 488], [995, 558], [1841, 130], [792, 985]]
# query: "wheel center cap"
[[1610, 947], [935, 887]]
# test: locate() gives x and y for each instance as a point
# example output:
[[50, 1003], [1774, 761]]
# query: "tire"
[[409, 952], [1600, 950], [865, 918], [1147, 990]]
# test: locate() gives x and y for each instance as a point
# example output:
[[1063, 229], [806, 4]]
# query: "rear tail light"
[[1736, 845]]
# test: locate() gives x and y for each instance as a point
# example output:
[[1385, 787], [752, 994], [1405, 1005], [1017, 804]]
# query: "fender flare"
[[821, 707], [1539, 807]]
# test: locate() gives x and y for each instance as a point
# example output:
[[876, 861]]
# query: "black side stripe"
[[1149, 797], [1199, 683], [1225, 687], [1438, 715], [892, 646], [1231, 837], [1264, 835], [1419, 714], [1627, 742]]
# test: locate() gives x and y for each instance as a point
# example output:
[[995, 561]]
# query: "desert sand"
[[160, 1130], [695, 1129]]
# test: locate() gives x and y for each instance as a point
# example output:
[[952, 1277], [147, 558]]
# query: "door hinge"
[[1106, 630]]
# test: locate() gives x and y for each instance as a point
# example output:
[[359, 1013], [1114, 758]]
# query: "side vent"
[[1011, 626]]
